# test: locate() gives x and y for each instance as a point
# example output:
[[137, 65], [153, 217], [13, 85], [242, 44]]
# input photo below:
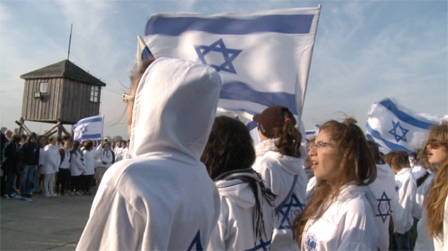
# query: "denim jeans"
[[36, 180], [27, 178]]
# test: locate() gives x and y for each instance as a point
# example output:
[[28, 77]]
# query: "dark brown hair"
[[229, 147]]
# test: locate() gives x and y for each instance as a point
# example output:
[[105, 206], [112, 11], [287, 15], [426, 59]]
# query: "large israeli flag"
[[89, 128], [394, 127], [263, 59]]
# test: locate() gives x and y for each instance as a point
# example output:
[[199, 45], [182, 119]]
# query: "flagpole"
[[69, 41]]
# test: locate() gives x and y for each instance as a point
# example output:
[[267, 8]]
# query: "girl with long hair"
[[77, 167], [280, 164], [246, 218], [436, 202], [339, 215]]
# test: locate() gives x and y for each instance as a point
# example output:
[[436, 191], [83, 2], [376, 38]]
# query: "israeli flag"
[[89, 128], [394, 127], [263, 59]]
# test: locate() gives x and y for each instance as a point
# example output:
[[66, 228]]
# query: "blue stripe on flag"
[[377, 136], [241, 91], [88, 121], [90, 136], [404, 116], [174, 26]]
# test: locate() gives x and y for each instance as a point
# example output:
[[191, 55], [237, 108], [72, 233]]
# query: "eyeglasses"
[[322, 144], [126, 97]]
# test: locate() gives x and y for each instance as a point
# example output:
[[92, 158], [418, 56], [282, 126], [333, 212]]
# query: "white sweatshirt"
[[423, 242], [384, 190], [162, 198], [52, 159], [89, 162], [441, 241], [234, 230], [77, 164], [420, 193], [405, 190], [278, 173], [348, 223]]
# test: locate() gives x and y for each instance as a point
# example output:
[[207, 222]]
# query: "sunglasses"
[[435, 144]]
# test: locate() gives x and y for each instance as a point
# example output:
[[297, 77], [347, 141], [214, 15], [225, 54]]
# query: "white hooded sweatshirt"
[[52, 159], [405, 189], [162, 198], [384, 190], [278, 173], [234, 230], [347, 224]]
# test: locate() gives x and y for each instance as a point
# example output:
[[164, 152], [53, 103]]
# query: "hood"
[[174, 109], [383, 171], [292, 165], [237, 191]]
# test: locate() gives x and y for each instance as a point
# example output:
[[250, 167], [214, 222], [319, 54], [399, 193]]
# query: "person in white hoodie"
[[247, 207], [340, 214], [89, 163], [280, 164], [51, 166], [162, 198], [436, 202], [405, 187], [384, 190], [77, 167], [105, 160]]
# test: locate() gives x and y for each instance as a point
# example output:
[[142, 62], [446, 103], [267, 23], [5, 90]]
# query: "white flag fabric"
[[394, 127], [263, 58], [89, 128]]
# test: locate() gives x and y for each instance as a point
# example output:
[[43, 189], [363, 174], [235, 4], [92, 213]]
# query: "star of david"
[[264, 245], [196, 243], [285, 211], [83, 128], [383, 207], [394, 132], [228, 54]]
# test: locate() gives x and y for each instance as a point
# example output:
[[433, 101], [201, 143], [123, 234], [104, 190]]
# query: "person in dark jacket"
[[30, 151], [3, 142], [10, 164]]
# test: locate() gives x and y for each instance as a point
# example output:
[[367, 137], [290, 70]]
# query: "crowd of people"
[[194, 181], [336, 192], [37, 164]]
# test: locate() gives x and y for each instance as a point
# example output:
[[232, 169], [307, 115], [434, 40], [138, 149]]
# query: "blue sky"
[[364, 51]]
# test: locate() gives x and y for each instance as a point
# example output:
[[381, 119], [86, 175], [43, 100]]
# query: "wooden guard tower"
[[61, 93]]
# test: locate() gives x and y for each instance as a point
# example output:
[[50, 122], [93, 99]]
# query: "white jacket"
[[278, 173], [347, 224], [106, 158], [162, 198], [89, 162], [384, 190], [77, 164], [423, 242], [420, 193], [52, 159], [234, 230], [441, 241], [405, 190]]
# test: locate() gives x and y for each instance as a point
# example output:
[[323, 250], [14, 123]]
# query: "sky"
[[364, 52]]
